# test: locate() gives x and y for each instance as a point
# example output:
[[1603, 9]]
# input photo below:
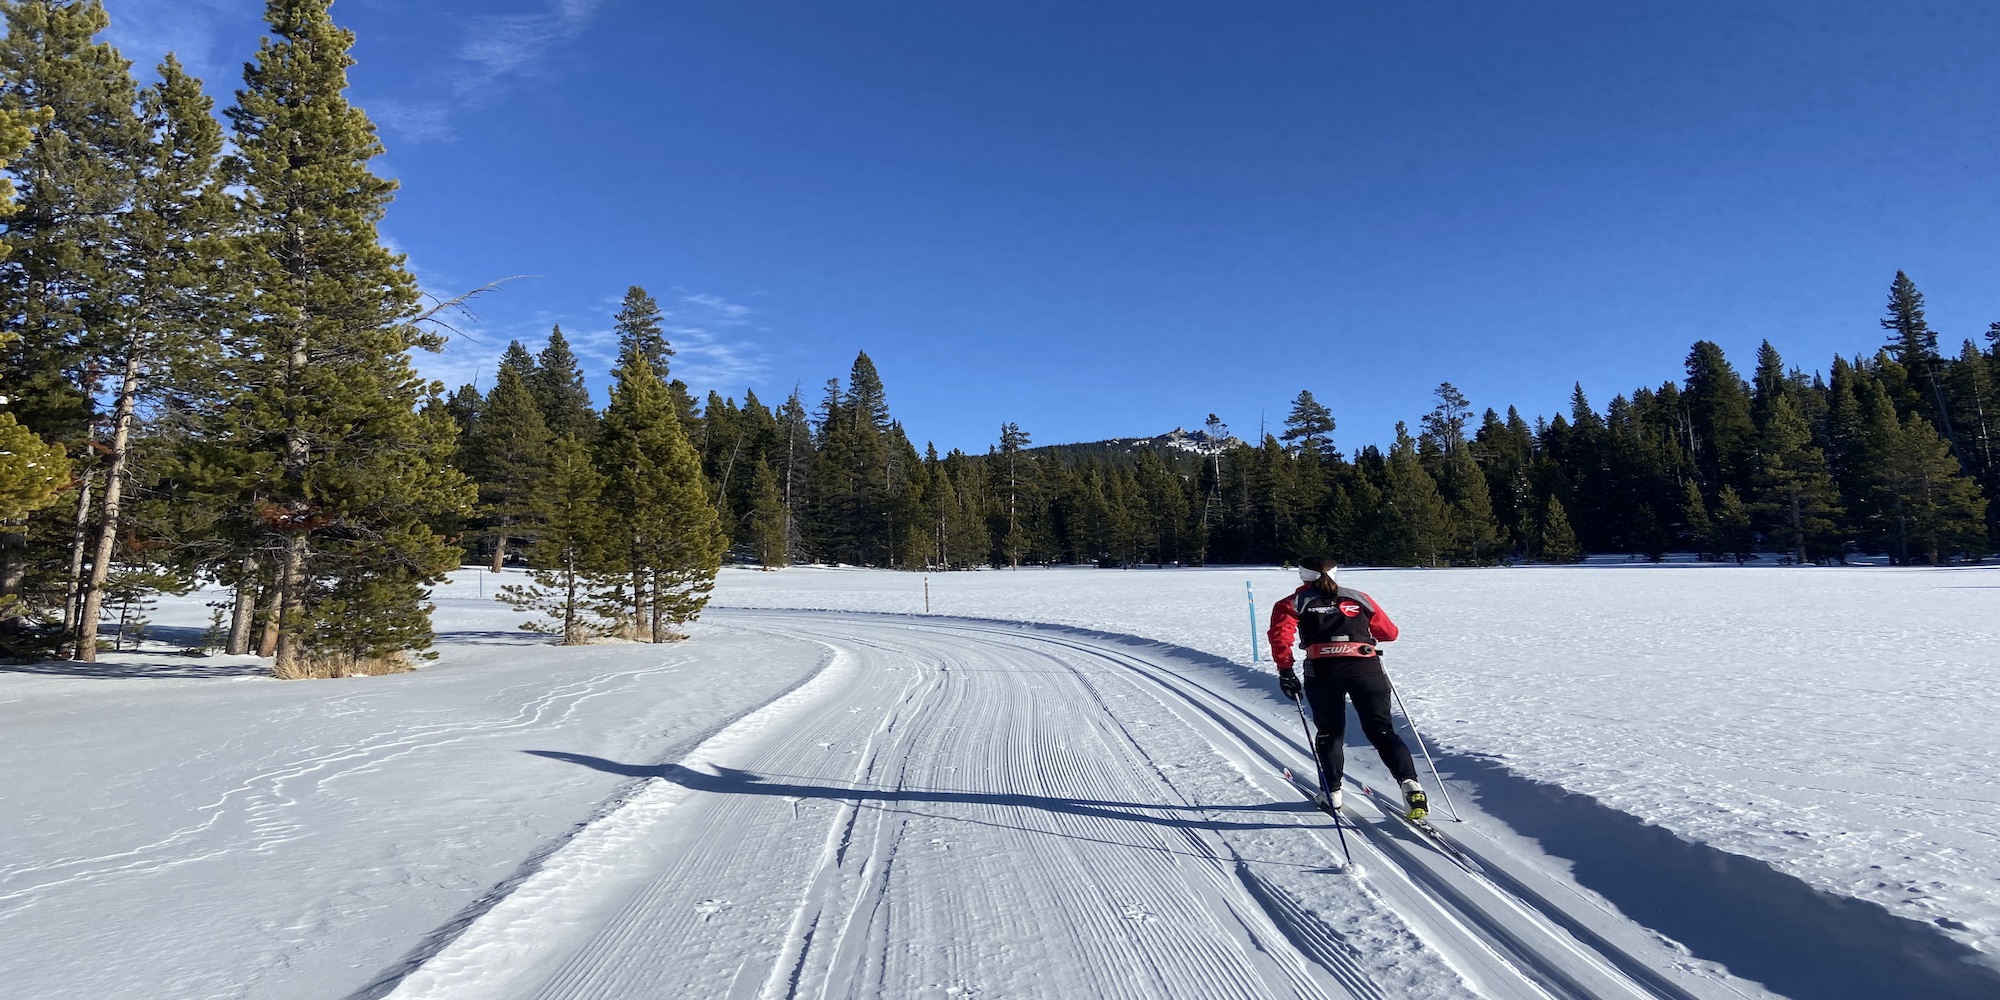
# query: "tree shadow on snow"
[[164, 669], [729, 781]]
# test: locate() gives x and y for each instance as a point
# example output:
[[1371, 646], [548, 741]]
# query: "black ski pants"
[[1327, 689]]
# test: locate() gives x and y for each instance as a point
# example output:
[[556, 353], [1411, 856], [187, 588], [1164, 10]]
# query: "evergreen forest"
[[206, 357]]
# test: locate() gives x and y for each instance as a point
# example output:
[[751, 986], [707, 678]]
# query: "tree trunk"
[[499, 551], [72, 588], [244, 612], [569, 602], [291, 646], [114, 491], [640, 614], [658, 609], [274, 602], [1798, 530]]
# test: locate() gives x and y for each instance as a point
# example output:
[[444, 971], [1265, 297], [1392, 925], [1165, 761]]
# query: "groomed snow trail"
[[953, 809]]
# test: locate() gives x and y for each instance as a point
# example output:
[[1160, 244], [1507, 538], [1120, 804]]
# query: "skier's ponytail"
[[1325, 567]]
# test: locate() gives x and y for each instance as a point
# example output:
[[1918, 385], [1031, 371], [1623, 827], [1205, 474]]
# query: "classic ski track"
[[808, 846], [1440, 884], [1076, 911]]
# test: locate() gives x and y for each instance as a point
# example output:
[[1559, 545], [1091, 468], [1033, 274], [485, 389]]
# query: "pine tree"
[[161, 334], [559, 390], [506, 455], [32, 471], [1476, 535], [1559, 543], [1733, 534], [60, 278], [768, 519], [640, 333], [1914, 345], [1420, 517], [574, 575], [1718, 406], [1935, 512], [1013, 441], [674, 542], [1700, 531], [353, 472], [793, 459], [1794, 488], [1309, 427]]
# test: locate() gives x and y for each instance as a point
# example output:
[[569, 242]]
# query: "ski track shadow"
[[1762, 924]]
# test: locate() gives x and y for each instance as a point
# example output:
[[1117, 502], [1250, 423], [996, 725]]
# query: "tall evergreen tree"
[[1309, 427], [1933, 511], [640, 333], [1723, 436], [768, 519], [559, 390], [1734, 536], [354, 472], [59, 280], [575, 575], [673, 542], [1558, 539], [1914, 345], [1418, 513], [1700, 531], [32, 471], [506, 455], [1475, 533], [159, 335], [1793, 485]]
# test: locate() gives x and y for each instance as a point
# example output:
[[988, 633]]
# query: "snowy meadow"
[[187, 826]]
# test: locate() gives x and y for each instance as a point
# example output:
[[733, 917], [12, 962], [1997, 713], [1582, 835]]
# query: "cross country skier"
[[1338, 628]]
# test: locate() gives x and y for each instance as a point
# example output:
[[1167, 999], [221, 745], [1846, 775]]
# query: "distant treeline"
[[205, 349], [1889, 454]]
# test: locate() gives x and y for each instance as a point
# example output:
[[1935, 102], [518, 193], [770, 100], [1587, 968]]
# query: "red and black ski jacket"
[[1344, 625]]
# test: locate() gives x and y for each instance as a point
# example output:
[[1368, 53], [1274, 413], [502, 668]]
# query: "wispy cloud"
[[712, 339], [194, 30], [711, 350], [494, 53]]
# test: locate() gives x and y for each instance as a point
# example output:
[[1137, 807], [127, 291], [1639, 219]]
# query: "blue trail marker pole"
[[1252, 596]]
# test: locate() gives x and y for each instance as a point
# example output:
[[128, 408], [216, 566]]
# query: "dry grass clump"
[[328, 665]]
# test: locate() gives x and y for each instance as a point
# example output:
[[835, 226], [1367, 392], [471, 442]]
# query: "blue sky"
[[1113, 218]]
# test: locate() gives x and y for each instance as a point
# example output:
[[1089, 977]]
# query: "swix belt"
[[1325, 649]]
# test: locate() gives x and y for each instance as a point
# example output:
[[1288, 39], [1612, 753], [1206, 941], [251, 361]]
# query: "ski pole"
[[1252, 595], [1427, 753], [1319, 767]]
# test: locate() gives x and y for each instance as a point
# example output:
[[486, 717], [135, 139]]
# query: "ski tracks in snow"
[[957, 809]]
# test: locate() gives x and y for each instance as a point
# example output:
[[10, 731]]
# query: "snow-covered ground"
[[1100, 816], [182, 827], [1841, 724]]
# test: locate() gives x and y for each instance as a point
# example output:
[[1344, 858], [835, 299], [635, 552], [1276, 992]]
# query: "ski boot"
[[1413, 796], [1326, 803]]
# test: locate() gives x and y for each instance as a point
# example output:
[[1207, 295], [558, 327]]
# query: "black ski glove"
[[1288, 682]]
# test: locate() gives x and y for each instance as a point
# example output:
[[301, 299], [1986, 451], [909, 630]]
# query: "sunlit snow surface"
[[1842, 724], [182, 827]]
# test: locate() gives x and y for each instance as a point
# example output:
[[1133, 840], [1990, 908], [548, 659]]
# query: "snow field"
[[177, 827], [1838, 724], [961, 807]]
